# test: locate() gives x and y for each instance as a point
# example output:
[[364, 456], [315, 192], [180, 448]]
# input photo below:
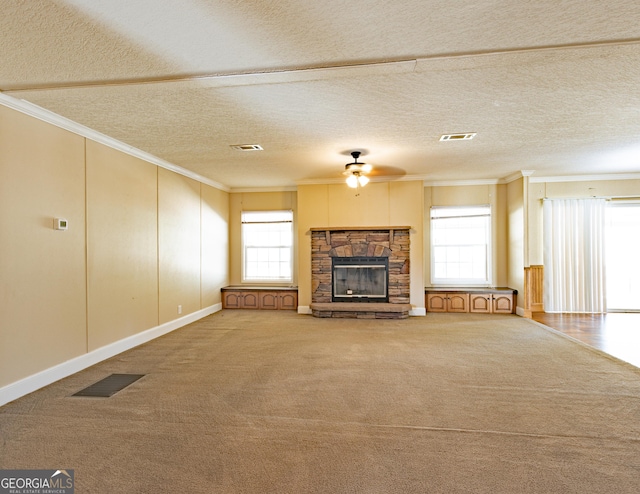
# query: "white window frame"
[[249, 218], [444, 213]]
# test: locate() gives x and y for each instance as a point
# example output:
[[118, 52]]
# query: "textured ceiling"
[[550, 86]]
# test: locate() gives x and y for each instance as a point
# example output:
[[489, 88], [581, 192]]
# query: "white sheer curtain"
[[574, 278]]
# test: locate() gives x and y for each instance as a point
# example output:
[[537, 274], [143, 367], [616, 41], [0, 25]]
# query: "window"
[[460, 245], [267, 242]]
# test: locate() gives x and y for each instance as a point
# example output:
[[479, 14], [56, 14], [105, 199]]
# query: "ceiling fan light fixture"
[[352, 181], [356, 171]]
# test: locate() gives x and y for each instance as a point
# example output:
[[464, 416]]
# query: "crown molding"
[[452, 183], [390, 178], [586, 178], [52, 118], [240, 190], [488, 181], [457, 183]]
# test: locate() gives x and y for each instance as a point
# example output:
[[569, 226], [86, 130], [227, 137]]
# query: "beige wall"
[[141, 241], [378, 204], [122, 245], [256, 201], [42, 271], [472, 195], [178, 245], [516, 237], [309, 216], [215, 244]]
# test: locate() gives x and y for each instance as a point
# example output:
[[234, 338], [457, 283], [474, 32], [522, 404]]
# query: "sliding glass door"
[[622, 239]]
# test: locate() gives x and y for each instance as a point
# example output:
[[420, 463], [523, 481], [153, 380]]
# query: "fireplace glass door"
[[360, 279]]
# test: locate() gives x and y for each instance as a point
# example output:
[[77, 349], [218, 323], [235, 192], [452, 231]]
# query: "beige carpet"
[[275, 402]]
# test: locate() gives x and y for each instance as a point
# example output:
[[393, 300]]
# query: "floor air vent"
[[109, 385]]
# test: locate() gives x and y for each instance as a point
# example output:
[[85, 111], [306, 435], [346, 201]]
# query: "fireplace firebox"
[[360, 279]]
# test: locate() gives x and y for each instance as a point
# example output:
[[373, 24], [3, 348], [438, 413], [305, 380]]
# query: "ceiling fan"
[[356, 172]]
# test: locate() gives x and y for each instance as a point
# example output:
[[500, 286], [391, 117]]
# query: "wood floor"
[[616, 333]]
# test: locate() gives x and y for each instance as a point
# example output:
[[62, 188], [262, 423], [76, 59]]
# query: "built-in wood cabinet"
[[240, 299], [476, 300], [278, 300], [491, 303], [269, 298], [448, 302]]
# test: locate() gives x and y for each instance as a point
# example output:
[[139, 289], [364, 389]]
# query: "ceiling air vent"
[[458, 137], [247, 147]]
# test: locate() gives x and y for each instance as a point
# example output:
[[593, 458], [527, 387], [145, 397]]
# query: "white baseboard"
[[520, 311], [32, 383], [304, 309]]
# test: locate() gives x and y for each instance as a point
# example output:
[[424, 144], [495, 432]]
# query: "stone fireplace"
[[365, 260]]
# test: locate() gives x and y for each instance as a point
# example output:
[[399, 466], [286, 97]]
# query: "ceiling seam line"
[[301, 70]]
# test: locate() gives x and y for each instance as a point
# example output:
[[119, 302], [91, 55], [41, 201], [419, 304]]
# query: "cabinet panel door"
[[232, 300], [268, 300], [289, 300], [436, 302], [503, 304], [458, 302], [480, 302], [250, 300]]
